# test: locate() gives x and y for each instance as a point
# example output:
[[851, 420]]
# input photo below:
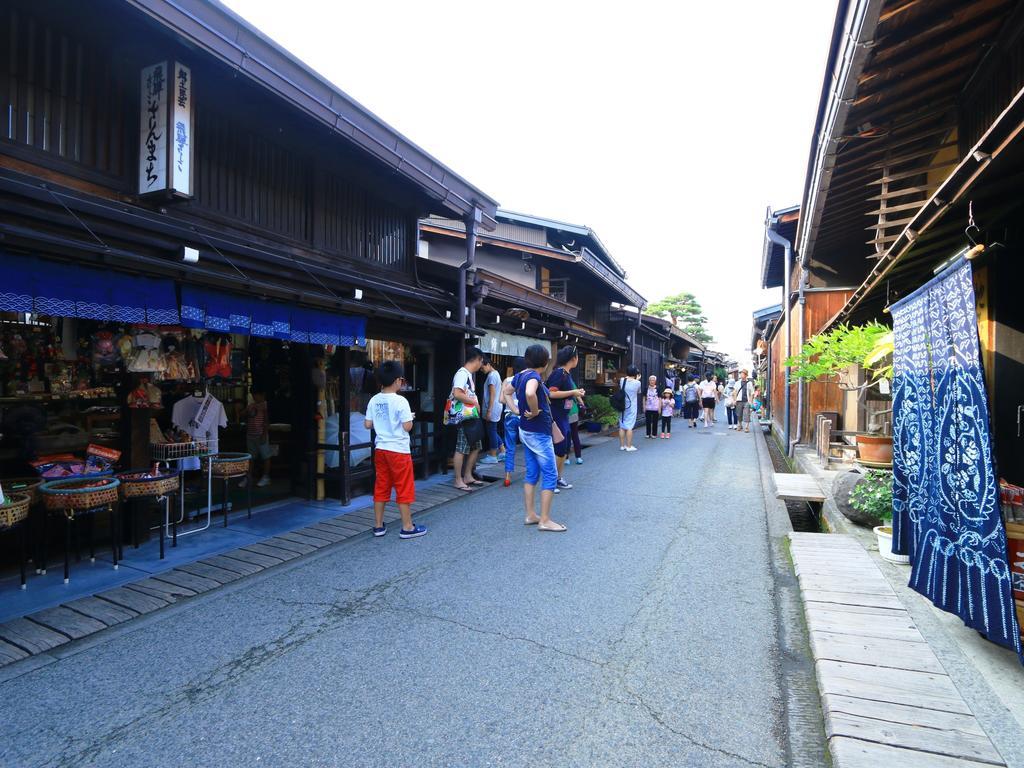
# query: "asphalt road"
[[645, 636]]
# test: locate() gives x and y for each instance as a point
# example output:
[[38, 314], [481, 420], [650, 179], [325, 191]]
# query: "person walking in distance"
[[652, 408], [492, 411], [708, 399], [464, 392], [391, 419], [744, 395], [511, 405], [668, 407], [574, 425], [535, 423], [630, 387], [691, 401], [563, 391], [730, 400]]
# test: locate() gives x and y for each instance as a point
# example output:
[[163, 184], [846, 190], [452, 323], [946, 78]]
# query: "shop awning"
[[217, 311], [29, 284], [498, 343]]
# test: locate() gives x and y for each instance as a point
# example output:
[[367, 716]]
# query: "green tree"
[[685, 312]]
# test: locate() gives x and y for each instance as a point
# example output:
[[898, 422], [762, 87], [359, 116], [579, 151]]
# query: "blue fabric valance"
[[203, 308], [28, 284]]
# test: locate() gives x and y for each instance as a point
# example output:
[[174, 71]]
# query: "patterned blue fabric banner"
[[946, 513], [217, 311], [69, 290]]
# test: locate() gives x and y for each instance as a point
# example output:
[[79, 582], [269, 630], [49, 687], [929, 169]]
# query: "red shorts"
[[394, 470]]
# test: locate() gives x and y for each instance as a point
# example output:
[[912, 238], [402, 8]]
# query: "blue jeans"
[[511, 434], [493, 441], [540, 459]]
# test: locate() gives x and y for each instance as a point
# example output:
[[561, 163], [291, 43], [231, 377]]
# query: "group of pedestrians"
[[542, 415]]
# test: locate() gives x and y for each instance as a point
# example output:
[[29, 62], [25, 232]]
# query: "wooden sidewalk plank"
[[222, 575], [292, 546], [133, 601], [948, 743], [30, 637], [875, 652], [241, 567], [253, 558], [853, 598], [11, 653], [262, 548], [838, 584], [101, 610], [67, 622], [179, 578], [317, 542], [343, 526], [899, 713], [896, 686], [873, 628], [865, 610], [161, 590], [329, 532], [854, 753]]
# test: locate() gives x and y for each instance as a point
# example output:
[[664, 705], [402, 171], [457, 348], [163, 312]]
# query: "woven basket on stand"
[[229, 464], [27, 485], [79, 494], [142, 482], [14, 509]]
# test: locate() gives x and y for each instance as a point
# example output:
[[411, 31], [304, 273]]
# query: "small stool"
[[228, 467], [84, 497], [141, 487], [14, 515]]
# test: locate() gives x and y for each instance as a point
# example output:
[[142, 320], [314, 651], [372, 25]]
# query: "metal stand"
[[179, 452]]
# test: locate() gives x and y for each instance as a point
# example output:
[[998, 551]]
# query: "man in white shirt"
[[708, 398], [464, 392], [744, 394], [492, 411]]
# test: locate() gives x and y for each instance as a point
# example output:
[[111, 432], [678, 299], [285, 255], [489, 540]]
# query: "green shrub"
[[599, 409], [873, 494]]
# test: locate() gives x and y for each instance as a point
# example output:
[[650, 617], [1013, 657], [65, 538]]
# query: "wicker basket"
[[230, 464], [141, 482], [14, 509], [27, 485], [80, 493]]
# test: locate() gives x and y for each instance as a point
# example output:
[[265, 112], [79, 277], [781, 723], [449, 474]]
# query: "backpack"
[[618, 398], [690, 393]]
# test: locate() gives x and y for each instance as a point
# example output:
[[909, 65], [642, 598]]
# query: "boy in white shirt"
[[389, 416]]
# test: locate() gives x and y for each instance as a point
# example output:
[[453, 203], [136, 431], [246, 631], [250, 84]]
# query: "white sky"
[[666, 127]]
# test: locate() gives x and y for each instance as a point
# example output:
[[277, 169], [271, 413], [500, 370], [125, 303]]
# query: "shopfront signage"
[[590, 367], [165, 130]]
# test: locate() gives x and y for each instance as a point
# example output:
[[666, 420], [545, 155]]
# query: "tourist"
[[668, 407], [391, 418], [691, 401], [563, 392], [574, 425], [464, 402], [257, 434], [744, 394], [708, 399], [630, 387], [535, 425], [652, 408], [511, 404], [730, 399], [492, 411]]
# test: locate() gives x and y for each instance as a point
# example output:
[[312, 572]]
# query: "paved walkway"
[[645, 636]]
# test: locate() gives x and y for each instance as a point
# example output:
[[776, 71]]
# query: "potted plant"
[[836, 354], [873, 497], [600, 414]]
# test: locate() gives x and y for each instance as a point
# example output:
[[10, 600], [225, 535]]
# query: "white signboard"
[[165, 129], [181, 139]]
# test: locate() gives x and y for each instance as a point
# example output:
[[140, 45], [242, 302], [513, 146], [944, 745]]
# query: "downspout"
[[468, 265], [802, 301], [776, 239]]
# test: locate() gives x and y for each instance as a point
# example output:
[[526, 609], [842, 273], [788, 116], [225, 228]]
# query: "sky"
[[668, 128]]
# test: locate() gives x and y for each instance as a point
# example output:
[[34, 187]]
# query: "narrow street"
[[646, 635]]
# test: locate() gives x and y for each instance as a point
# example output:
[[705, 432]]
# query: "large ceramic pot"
[[876, 449], [884, 535]]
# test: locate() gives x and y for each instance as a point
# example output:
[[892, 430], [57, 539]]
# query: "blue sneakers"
[[415, 533], [380, 531]]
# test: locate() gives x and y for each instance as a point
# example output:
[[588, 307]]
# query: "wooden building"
[[172, 147], [537, 280]]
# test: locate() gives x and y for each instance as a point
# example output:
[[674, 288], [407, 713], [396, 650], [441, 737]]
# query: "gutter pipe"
[[468, 265], [776, 239]]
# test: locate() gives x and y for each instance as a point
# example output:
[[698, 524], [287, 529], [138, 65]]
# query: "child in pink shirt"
[[668, 406]]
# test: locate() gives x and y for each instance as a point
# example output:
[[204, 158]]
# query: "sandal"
[[465, 488], [552, 526], [531, 522], [476, 482]]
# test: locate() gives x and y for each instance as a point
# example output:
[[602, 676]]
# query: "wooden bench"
[[794, 487]]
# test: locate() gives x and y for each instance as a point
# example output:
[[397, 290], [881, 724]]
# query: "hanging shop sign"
[[165, 130], [591, 367]]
